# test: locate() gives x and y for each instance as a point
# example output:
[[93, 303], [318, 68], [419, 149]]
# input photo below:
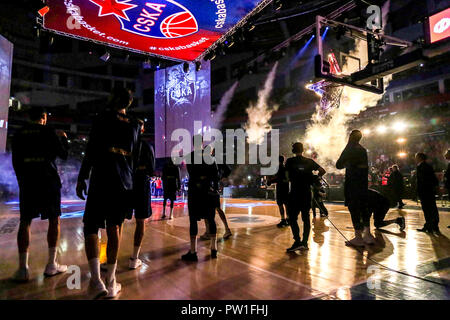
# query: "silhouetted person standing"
[[354, 160], [171, 184], [142, 201], [109, 166], [282, 191], [427, 184], [397, 186], [447, 175], [224, 172], [35, 148], [203, 178], [300, 174]]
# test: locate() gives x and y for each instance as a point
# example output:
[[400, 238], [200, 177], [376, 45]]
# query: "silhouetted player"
[[109, 166], [300, 174], [201, 197], [171, 184], [447, 175], [379, 206], [35, 148], [141, 197], [427, 184], [395, 181], [282, 191], [354, 160], [224, 172], [142, 201]]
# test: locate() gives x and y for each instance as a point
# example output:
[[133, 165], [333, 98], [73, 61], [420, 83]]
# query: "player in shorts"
[[35, 148], [224, 172], [109, 166], [171, 184], [141, 197], [282, 191]]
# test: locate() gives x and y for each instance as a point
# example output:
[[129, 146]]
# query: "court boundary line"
[[320, 293]]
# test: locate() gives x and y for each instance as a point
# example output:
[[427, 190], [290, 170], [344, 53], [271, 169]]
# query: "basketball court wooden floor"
[[251, 265]]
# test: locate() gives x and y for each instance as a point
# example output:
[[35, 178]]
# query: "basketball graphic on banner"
[[179, 24]]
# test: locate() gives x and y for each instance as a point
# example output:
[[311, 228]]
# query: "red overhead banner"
[[178, 30]]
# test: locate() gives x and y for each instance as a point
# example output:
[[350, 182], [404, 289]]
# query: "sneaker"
[[303, 246], [114, 289], [213, 254], [54, 269], [97, 290], [355, 242], [368, 238], [21, 275], [294, 247], [163, 217], [189, 256], [401, 223], [227, 234], [205, 236], [323, 215], [104, 267], [424, 229], [134, 263]]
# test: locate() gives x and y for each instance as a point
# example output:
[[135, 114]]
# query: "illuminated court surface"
[[252, 264]]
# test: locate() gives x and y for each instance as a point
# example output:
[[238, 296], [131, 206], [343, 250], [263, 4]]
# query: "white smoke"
[[259, 115], [218, 116]]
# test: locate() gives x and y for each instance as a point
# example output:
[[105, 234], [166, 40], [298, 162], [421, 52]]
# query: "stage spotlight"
[[105, 57], [366, 132], [399, 126], [402, 154], [381, 129], [198, 66], [308, 151], [401, 140], [185, 67]]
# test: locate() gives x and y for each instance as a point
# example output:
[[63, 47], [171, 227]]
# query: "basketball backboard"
[[358, 53]]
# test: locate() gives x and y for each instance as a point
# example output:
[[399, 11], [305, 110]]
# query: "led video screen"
[[180, 99], [6, 51], [439, 26], [178, 30]]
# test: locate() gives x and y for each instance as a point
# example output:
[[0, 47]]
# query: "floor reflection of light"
[[344, 293], [224, 204], [249, 211], [63, 245], [410, 256]]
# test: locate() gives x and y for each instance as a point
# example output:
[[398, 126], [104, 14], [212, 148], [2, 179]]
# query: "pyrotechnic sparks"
[[259, 115]]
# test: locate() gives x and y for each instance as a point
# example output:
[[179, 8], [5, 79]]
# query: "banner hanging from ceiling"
[[177, 30]]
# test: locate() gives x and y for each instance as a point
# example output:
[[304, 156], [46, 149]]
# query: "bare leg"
[[164, 209], [223, 218], [23, 236], [112, 248], [53, 232], [139, 232], [23, 243], [91, 246]]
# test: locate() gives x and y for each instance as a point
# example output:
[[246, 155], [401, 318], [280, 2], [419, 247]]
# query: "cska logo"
[[162, 19]]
